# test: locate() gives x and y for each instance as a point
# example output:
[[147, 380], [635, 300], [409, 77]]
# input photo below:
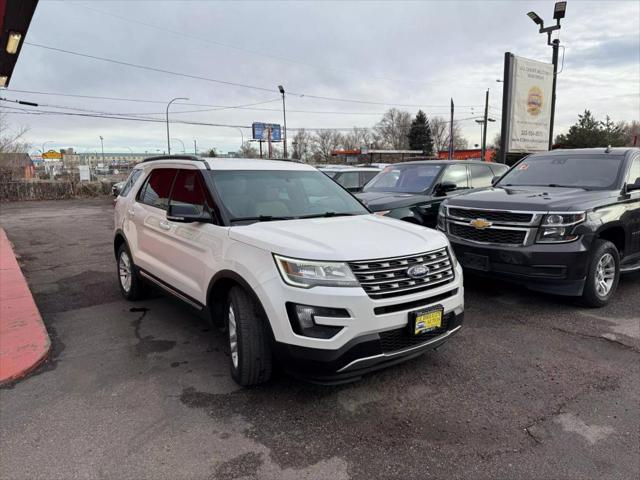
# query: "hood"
[[532, 198], [377, 201], [361, 237]]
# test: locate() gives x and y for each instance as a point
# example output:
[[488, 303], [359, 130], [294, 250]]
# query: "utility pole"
[[284, 113], [451, 133], [269, 141], [195, 147], [486, 124], [102, 145]]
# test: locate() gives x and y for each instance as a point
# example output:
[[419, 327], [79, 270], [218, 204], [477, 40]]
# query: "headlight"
[[442, 211], [454, 259], [381, 212], [308, 273], [558, 227]]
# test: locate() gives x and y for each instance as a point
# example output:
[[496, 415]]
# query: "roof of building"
[[15, 160]]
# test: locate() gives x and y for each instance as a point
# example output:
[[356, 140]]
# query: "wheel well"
[[117, 242], [615, 235], [217, 298]]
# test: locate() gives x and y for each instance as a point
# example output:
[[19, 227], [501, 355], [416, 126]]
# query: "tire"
[[132, 286], [249, 342], [602, 276]]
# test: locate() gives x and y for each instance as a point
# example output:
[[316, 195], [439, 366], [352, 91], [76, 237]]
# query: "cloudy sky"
[[362, 57]]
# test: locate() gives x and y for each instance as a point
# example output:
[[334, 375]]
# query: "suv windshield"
[[575, 171], [261, 195], [404, 178]]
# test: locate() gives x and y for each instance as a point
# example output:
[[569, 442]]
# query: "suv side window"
[[349, 179], [133, 178], [368, 176], [634, 171], [188, 191], [456, 174], [481, 176], [156, 189]]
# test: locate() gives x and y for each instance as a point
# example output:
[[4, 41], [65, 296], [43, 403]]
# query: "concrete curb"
[[24, 341]]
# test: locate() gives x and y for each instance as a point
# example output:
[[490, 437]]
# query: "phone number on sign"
[[531, 133]]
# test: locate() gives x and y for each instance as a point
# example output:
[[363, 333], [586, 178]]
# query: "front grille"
[[492, 216], [387, 277], [488, 235], [399, 339]]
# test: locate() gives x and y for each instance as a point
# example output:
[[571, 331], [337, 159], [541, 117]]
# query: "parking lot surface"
[[533, 386]]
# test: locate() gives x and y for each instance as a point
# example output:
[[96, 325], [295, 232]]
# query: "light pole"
[[284, 114], [181, 143], [168, 136], [559, 11], [45, 143], [102, 146]]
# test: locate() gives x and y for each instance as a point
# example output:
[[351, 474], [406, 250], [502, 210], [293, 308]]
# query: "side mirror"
[[495, 179], [188, 214], [446, 187], [633, 186]]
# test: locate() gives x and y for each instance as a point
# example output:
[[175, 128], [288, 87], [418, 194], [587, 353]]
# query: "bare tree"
[[440, 133], [302, 145], [357, 138], [248, 151], [393, 129], [324, 142], [12, 140]]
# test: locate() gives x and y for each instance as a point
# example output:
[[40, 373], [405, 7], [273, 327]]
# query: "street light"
[[284, 114], [168, 137], [102, 145], [181, 142], [559, 11], [45, 143]]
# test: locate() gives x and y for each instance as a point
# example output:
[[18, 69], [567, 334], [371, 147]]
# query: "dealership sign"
[[52, 155], [261, 131], [529, 105]]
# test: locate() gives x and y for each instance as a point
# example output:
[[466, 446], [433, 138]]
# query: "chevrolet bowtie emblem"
[[480, 223]]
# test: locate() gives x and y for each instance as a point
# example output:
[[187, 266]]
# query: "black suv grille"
[[387, 277], [492, 216], [399, 339], [488, 235]]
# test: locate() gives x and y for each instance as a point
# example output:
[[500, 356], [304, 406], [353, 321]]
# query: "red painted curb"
[[24, 342]]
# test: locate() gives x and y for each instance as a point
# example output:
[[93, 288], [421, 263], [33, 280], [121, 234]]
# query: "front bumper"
[[363, 354], [558, 268]]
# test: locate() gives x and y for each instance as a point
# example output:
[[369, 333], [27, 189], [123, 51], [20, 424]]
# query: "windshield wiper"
[[259, 218], [329, 214], [557, 185]]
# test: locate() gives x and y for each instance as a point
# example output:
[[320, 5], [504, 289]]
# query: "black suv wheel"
[[249, 342], [131, 285], [603, 274]]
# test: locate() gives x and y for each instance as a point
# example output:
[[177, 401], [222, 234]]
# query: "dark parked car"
[[351, 178], [565, 222], [413, 191]]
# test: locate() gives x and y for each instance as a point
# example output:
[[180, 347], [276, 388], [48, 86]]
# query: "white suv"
[[290, 264]]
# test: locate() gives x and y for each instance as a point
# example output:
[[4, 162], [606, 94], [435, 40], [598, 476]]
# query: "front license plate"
[[475, 262], [424, 321]]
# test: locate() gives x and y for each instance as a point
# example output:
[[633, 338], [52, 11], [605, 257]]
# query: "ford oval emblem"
[[418, 271]]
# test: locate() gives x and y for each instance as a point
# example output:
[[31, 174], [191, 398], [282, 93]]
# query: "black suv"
[[565, 222], [413, 191]]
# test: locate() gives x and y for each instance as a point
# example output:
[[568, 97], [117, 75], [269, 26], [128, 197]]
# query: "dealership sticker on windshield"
[[523, 166]]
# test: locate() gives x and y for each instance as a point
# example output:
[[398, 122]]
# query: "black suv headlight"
[[559, 227]]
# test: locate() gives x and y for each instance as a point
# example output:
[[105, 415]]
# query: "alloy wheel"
[[124, 271], [605, 274], [233, 337]]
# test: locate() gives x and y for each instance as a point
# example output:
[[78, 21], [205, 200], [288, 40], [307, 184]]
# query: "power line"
[[224, 82]]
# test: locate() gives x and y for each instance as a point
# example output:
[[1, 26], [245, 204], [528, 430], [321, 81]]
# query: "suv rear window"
[[156, 189]]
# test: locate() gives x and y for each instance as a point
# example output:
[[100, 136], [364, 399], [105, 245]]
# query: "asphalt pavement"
[[533, 386]]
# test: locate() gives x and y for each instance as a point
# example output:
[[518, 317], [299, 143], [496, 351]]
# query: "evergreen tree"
[[588, 132], [420, 137]]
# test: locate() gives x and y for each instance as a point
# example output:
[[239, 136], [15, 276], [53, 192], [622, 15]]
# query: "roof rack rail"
[[192, 158]]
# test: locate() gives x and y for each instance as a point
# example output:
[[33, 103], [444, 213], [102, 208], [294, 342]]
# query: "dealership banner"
[[529, 107]]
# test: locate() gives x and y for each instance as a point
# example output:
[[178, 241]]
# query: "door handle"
[[165, 225]]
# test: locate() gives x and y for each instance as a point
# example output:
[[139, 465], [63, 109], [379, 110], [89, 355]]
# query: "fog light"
[[302, 319]]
